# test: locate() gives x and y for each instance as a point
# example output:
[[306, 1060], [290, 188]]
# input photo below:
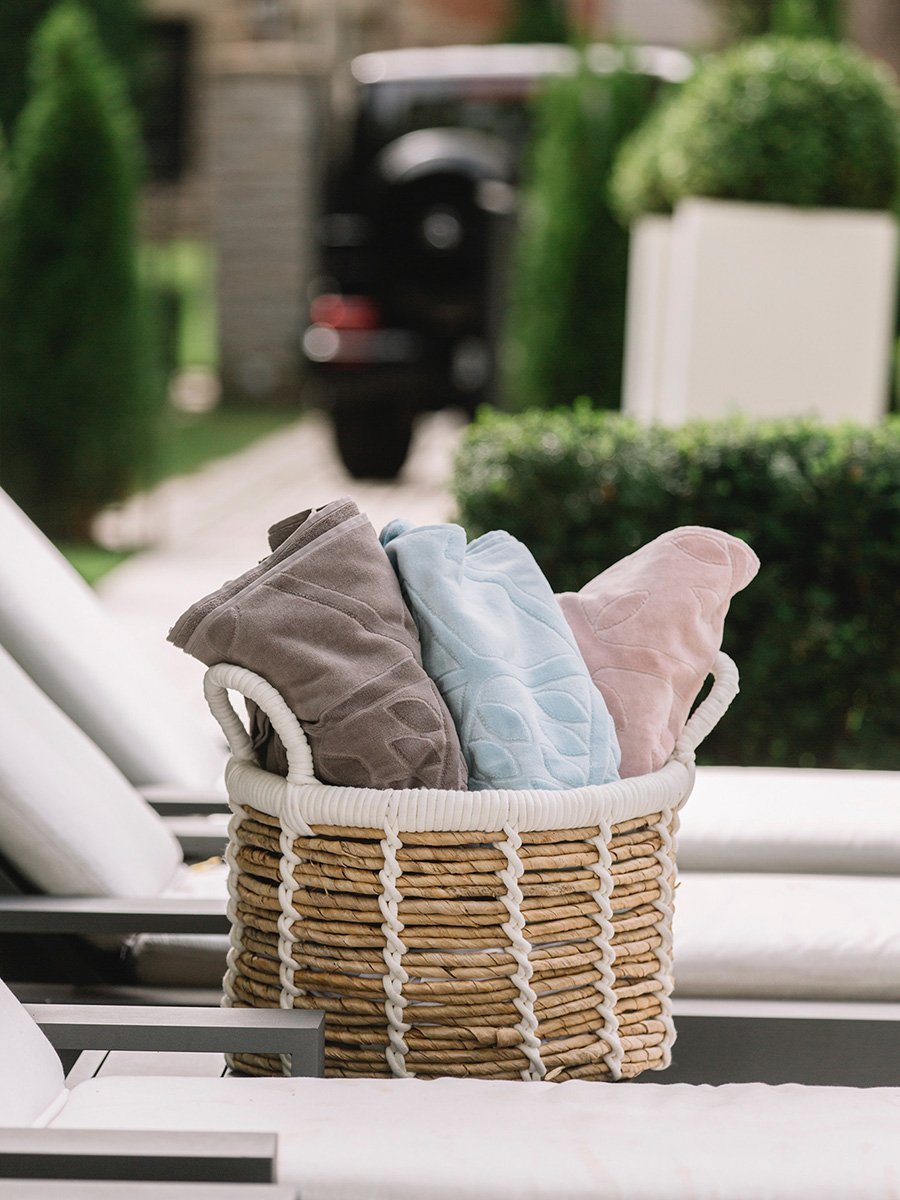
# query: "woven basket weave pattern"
[[505, 935], [594, 940]]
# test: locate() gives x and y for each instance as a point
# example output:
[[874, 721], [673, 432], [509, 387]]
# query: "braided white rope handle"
[[710, 711], [216, 684], [224, 676]]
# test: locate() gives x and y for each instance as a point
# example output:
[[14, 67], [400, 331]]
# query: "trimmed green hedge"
[[815, 635]]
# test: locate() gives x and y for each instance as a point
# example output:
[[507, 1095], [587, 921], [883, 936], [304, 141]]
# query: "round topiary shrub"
[[780, 120]]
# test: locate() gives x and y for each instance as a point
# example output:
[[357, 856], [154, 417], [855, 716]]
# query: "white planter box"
[[760, 309]]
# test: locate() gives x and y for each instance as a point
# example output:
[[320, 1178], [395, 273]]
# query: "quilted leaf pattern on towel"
[[650, 627], [322, 619], [495, 642]]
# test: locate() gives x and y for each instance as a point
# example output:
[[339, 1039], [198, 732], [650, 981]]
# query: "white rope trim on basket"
[[288, 914], [665, 906], [521, 952], [237, 927], [395, 1002], [603, 940]]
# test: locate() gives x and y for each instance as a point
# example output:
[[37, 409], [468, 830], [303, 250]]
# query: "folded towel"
[[650, 627], [323, 620], [495, 642]]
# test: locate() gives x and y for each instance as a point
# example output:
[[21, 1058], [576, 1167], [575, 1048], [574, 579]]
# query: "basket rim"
[[417, 810], [301, 800]]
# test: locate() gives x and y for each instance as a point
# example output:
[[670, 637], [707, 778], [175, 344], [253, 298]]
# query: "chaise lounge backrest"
[[32, 1085], [55, 627], [70, 822]]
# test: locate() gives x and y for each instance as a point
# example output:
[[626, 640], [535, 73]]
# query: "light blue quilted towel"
[[495, 642]]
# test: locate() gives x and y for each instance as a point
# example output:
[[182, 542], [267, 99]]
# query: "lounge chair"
[[58, 631], [71, 825], [403, 1139], [800, 821]]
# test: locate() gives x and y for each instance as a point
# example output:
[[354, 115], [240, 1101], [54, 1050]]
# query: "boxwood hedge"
[[777, 120], [815, 635]]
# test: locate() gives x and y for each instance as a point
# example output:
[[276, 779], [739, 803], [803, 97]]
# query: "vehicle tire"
[[372, 439]]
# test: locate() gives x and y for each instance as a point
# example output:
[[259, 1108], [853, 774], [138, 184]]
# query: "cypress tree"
[[76, 404], [566, 319]]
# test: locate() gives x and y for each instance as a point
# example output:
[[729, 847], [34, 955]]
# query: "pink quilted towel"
[[649, 628]]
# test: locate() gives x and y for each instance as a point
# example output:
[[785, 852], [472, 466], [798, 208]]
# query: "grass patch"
[[183, 269], [92, 562], [190, 440]]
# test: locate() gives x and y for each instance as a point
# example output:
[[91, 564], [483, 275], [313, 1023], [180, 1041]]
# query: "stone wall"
[[265, 117]]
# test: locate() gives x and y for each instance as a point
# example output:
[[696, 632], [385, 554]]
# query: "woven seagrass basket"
[[497, 934]]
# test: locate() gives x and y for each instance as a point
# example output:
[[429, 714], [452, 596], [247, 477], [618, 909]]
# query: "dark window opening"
[[165, 98]]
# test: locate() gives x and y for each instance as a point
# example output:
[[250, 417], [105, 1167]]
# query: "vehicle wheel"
[[372, 440]]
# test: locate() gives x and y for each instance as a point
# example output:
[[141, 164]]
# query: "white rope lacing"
[[666, 827], [603, 940], [394, 949], [236, 933], [521, 951], [288, 914]]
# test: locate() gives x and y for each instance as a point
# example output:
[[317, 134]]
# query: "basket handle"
[[223, 677], [710, 711]]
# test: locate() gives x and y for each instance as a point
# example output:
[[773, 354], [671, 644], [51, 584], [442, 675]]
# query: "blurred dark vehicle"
[[418, 212]]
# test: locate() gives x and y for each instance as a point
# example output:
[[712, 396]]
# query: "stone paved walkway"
[[211, 526]]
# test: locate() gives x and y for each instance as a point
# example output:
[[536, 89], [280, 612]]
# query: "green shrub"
[[778, 120], [565, 327], [74, 374], [814, 635], [803, 18]]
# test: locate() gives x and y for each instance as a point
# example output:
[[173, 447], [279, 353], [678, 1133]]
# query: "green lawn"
[[188, 440], [183, 269], [92, 562]]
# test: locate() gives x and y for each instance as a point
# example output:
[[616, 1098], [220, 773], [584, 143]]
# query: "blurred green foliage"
[[778, 120], [118, 26], [537, 21], [799, 18], [180, 274], [814, 635], [80, 397], [565, 323]]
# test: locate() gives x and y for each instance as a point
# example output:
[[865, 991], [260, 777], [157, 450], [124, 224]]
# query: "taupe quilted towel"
[[322, 619]]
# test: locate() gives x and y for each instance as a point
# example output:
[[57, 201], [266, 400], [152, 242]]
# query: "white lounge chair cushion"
[[69, 820], [56, 627], [828, 937], [453, 1139], [788, 819], [32, 1088]]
